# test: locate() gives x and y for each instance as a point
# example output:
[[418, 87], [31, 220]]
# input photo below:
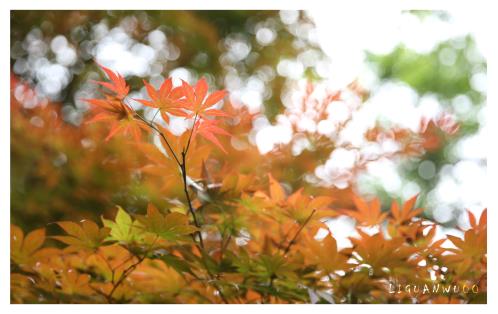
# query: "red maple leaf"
[[165, 99], [196, 101], [119, 115], [117, 85], [208, 129]]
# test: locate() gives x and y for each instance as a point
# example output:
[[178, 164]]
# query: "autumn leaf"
[[300, 206], [85, 236], [474, 244], [22, 248], [483, 221], [323, 253], [165, 99], [154, 276], [367, 214], [120, 117], [406, 213], [117, 85], [277, 192], [433, 131], [123, 228], [196, 101], [379, 252], [209, 129], [75, 283], [172, 226]]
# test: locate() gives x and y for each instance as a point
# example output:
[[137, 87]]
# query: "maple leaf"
[[123, 228], [165, 99], [117, 85], [171, 226], [277, 192], [23, 248], [406, 213], [208, 129], [88, 235], [473, 246], [378, 252], [482, 225], [433, 131], [119, 115], [154, 276], [114, 110], [299, 206], [196, 101], [367, 214], [324, 253]]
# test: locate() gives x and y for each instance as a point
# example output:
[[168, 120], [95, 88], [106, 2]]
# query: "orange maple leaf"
[[324, 252], [165, 99], [367, 214], [406, 213], [117, 85], [119, 115], [196, 101], [208, 129]]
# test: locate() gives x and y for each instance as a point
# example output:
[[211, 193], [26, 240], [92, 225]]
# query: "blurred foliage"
[[258, 231], [226, 230], [195, 33], [445, 73], [35, 201], [428, 73], [57, 171]]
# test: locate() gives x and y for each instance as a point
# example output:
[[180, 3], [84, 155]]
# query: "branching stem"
[[183, 168]]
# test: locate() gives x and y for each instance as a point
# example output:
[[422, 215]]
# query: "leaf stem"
[[152, 126], [183, 167], [128, 271], [293, 241], [266, 297], [191, 133]]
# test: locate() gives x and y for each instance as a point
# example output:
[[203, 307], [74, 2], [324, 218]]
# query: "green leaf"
[[181, 266], [123, 228]]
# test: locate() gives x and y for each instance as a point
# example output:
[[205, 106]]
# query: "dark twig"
[[128, 271], [293, 241], [191, 133], [152, 126], [183, 167], [266, 298]]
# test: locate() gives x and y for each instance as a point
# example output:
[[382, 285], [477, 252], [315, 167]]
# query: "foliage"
[[59, 170], [444, 73], [226, 230]]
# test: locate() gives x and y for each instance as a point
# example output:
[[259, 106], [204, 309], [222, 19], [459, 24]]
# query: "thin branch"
[[152, 126], [191, 133], [266, 297], [155, 115], [183, 167], [129, 270], [293, 241], [123, 276]]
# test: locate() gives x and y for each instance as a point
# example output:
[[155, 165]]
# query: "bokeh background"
[[408, 64]]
